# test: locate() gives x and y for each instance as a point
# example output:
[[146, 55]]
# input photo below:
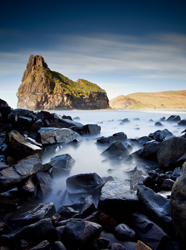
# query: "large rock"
[[149, 233], [116, 151], [170, 151], [155, 206], [61, 164], [80, 234], [117, 199], [84, 184], [19, 173], [42, 88], [178, 207], [31, 213], [58, 135], [115, 137], [20, 147]]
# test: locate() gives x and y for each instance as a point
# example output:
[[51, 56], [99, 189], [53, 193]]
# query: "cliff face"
[[42, 88]]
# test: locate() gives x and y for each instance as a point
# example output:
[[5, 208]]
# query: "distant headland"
[[42, 88]]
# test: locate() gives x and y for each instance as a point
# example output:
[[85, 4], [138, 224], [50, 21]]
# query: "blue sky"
[[124, 46]]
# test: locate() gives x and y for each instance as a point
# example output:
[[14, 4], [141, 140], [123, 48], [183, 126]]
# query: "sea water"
[[87, 154]]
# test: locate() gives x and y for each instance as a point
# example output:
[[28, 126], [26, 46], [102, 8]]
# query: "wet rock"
[[37, 125], [44, 245], [176, 173], [116, 150], [31, 213], [158, 124], [155, 206], [124, 121], [61, 164], [67, 212], [182, 122], [44, 178], [88, 207], [167, 185], [117, 199], [115, 137], [28, 189], [24, 123], [90, 129], [149, 233], [170, 151], [20, 147], [173, 118], [57, 135], [84, 183], [80, 234], [35, 232], [161, 135], [58, 245], [125, 233], [15, 175], [43, 191], [149, 151], [116, 246], [178, 207]]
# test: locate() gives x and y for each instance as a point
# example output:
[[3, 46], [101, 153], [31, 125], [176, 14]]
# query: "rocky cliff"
[[42, 88]]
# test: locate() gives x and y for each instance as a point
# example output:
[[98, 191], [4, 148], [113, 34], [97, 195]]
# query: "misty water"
[[87, 154]]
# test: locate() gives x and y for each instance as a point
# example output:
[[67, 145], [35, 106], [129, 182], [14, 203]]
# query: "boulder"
[[88, 207], [61, 164], [155, 206], [176, 173], [115, 137], [117, 199], [178, 207], [150, 233], [43, 191], [88, 129], [84, 184], [19, 173], [182, 122], [149, 151], [58, 245], [36, 232], [20, 147], [125, 233], [57, 135], [173, 118], [124, 121], [161, 135], [116, 150], [170, 151], [31, 213], [44, 245], [79, 234]]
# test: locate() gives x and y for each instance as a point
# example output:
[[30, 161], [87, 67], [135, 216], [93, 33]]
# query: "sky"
[[123, 46]]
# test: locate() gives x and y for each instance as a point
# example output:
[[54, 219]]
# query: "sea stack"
[[42, 88]]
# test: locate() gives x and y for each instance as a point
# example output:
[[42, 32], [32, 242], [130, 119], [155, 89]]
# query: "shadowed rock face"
[[42, 88]]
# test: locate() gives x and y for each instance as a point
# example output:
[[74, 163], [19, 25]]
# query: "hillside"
[[151, 100], [42, 88]]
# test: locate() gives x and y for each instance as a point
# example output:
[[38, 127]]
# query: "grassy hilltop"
[[156, 100]]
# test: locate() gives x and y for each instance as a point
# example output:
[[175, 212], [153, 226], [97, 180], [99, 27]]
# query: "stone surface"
[[115, 137], [117, 199], [57, 135], [178, 207], [15, 175], [116, 150], [155, 206], [170, 151], [61, 164], [55, 91], [125, 233]]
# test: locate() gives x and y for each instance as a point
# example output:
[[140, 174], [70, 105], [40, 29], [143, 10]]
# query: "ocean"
[[87, 154]]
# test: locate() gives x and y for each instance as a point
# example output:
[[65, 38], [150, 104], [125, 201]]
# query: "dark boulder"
[[161, 135], [31, 213], [176, 173], [125, 233], [167, 185], [61, 164], [79, 234], [84, 184], [115, 137], [155, 206], [19, 173], [43, 191], [116, 150], [170, 151], [178, 207], [58, 245], [44, 245], [182, 122], [124, 121], [158, 124], [173, 118], [20, 147], [149, 151], [150, 233], [117, 199], [88, 207]]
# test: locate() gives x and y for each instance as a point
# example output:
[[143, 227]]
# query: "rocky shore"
[[146, 211]]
